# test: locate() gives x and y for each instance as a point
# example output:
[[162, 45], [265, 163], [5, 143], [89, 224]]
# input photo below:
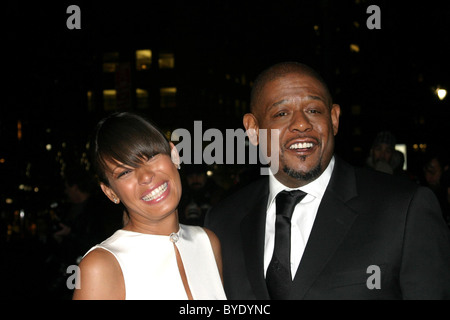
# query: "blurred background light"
[[441, 93]]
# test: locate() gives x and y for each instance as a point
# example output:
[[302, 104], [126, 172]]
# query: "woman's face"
[[150, 192]]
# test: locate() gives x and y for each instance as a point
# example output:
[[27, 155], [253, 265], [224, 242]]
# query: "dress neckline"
[[173, 237]]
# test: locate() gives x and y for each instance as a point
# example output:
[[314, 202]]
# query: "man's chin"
[[304, 175]]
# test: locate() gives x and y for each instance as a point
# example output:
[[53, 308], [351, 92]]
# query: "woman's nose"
[[145, 175]]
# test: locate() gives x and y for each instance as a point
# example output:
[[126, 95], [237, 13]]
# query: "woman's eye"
[[123, 173]]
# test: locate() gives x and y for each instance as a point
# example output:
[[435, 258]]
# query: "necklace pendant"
[[174, 237]]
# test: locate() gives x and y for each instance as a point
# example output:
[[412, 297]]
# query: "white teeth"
[[156, 193], [304, 145]]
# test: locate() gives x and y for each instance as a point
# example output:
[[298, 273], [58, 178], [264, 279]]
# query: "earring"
[[116, 200], [179, 167]]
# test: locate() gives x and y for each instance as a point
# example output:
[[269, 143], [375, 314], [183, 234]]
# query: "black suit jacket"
[[365, 219]]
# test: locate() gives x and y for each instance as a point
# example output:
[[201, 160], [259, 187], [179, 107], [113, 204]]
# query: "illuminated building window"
[[243, 79], [317, 30], [142, 98], [109, 99], [90, 102], [166, 61], [19, 130], [110, 61], [168, 97], [143, 59], [354, 47]]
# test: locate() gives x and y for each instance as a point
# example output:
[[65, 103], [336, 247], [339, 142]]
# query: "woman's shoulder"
[[100, 276], [201, 234], [98, 258], [215, 243]]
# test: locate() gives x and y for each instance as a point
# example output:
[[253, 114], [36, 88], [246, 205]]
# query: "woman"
[[153, 256]]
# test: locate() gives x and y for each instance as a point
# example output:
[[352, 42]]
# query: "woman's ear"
[[174, 155], [109, 193]]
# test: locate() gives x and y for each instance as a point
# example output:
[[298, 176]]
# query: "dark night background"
[[383, 79]]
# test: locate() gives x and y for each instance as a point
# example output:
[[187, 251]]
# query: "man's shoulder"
[[236, 205], [246, 193], [370, 182], [380, 180]]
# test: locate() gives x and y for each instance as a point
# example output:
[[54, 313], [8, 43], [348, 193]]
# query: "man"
[[356, 234], [382, 152]]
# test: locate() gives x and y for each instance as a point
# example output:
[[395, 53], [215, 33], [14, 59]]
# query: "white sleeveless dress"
[[150, 269]]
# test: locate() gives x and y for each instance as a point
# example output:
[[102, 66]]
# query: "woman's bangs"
[[136, 147]]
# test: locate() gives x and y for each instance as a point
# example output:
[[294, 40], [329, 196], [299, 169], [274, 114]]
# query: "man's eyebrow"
[[309, 97], [279, 102], [315, 98]]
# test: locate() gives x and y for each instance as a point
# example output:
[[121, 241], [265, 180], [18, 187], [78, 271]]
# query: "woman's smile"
[[156, 194]]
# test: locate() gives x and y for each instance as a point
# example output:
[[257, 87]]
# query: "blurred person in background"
[[435, 177], [382, 152], [200, 193], [82, 219], [445, 184], [87, 217]]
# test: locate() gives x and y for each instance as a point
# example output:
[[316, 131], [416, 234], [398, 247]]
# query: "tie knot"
[[287, 200]]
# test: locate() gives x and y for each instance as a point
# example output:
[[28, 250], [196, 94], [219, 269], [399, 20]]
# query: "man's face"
[[382, 152], [196, 180], [433, 172], [299, 107]]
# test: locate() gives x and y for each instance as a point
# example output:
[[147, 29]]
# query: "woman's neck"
[[163, 226]]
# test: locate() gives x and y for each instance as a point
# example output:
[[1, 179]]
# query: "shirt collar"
[[315, 188]]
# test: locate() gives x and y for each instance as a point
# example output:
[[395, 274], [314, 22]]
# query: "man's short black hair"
[[279, 70]]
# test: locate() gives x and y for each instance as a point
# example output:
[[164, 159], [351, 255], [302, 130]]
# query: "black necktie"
[[278, 275]]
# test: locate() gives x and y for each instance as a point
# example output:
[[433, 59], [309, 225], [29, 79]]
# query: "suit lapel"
[[252, 231], [334, 218]]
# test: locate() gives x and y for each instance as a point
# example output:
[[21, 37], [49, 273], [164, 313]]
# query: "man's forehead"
[[298, 78], [295, 87]]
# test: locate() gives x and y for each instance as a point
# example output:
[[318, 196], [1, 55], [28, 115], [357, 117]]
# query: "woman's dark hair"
[[125, 138]]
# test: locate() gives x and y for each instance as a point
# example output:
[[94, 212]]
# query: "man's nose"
[[300, 122]]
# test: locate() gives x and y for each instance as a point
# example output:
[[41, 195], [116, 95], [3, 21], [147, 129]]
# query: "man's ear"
[[335, 114], [251, 126], [109, 193], [174, 155]]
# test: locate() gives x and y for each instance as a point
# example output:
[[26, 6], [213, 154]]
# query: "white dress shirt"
[[302, 218]]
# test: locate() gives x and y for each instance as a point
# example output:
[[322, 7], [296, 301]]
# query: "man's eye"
[[281, 114]]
